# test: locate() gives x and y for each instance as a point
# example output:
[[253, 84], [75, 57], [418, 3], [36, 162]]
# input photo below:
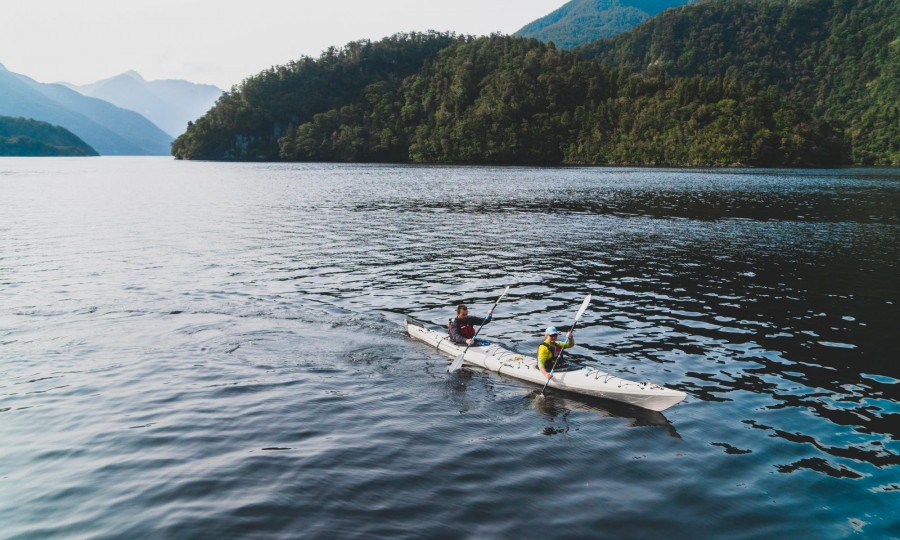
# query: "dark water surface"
[[201, 350]]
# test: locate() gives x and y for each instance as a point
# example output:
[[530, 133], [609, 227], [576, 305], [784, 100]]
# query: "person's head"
[[551, 332], [462, 311]]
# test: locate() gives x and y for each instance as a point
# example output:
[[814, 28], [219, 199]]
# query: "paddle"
[[581, 310], [457, 362]]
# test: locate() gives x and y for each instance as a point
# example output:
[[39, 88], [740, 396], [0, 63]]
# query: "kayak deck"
[[585, 380]]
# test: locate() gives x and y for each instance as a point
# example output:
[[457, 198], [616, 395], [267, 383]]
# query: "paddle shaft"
[[581, 311]]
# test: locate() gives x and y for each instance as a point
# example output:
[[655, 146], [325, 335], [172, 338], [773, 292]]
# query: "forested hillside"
[[675, 91], [838, 59], [247, 124], [504, 100], [24, 137]]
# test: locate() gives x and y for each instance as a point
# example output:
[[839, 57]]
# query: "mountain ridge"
[[168, 103], [108, 129], [579, 22]]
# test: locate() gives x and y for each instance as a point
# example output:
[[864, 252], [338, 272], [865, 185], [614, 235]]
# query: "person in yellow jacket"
[[549, 349]]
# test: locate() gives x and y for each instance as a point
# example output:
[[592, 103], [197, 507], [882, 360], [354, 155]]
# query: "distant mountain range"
[[582, 21], [108, 129], [170, 104], [23, 137]]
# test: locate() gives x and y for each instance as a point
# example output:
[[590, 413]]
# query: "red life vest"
[[467, 330]]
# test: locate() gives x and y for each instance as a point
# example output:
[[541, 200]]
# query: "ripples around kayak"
[[203, 350]]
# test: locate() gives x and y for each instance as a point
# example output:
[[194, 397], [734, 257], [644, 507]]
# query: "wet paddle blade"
[[457, 362], [501, 296], [583, 308]]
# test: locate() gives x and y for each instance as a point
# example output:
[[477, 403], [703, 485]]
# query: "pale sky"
[[221, 42]]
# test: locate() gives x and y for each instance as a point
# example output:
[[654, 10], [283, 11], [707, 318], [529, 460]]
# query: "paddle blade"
[[584, 306], [502, 295], [457, 362]]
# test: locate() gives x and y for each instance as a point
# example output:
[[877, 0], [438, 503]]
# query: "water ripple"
[[216, 350]]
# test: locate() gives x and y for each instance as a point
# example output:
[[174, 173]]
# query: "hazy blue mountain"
[[583, 21], [170, 104], [24, 137], [107, 128]]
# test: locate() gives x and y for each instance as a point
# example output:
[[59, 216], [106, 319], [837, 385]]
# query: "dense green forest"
[[761, 83], [246, 123], [27, 138], [837, 59]]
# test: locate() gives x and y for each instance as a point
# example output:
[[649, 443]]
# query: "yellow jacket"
[[548, 350]]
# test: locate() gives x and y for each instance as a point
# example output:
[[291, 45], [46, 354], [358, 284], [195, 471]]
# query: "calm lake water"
[[204, 350]]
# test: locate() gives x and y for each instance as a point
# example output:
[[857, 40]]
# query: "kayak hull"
[[586, 380]]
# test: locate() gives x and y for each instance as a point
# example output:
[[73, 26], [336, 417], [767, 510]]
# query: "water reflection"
[[557, 408]]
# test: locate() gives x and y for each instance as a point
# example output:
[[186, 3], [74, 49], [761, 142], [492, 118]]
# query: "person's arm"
[[455, 335], [569, 342], [543, 356], [476, 321]]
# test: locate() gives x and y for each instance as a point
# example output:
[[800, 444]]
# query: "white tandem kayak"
[[585, 380]]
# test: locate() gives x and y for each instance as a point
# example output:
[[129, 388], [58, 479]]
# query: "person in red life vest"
[[462, 328], [549, 349]]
